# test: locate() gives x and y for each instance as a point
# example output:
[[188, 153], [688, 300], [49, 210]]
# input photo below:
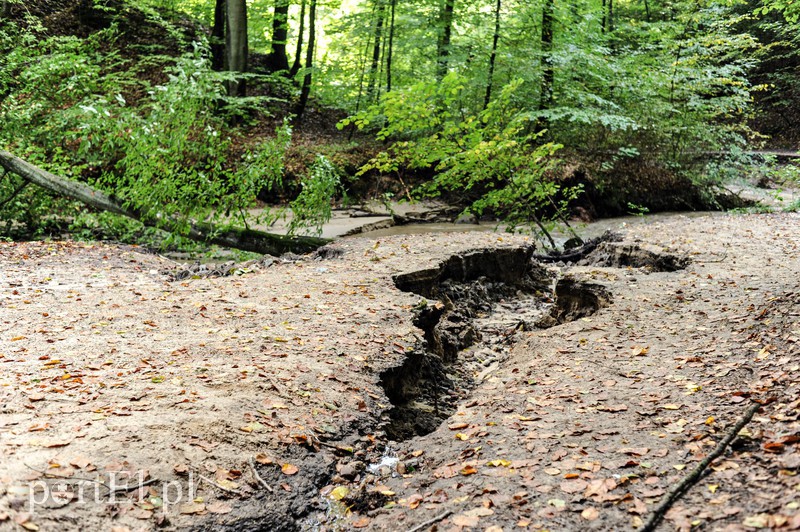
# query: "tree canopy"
[[509, 108]]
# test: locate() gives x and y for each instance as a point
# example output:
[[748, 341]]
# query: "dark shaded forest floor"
[[262, 400]]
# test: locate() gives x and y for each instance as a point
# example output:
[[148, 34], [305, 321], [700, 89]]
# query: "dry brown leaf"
[[590, 513], [574, 486], [262, 458], [289, 469], [414, 501], [469, 470], [192, 508], [465, 520], [362, 522]]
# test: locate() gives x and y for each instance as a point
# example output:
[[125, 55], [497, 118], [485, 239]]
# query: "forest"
[[192, 116], [420, 265]]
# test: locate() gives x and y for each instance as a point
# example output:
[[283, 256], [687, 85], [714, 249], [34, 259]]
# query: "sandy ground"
[[129, 401]]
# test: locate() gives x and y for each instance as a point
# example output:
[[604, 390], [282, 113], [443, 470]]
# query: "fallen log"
[[578, 253], [232, 237]]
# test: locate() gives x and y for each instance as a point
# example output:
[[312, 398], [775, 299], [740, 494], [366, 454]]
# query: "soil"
[[383, 384]]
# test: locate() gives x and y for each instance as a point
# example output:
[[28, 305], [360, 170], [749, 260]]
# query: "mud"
[[484, 297]]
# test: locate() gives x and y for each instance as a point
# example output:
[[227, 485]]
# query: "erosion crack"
[[482, 298]]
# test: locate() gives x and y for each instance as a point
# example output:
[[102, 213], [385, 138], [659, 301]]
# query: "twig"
[[127, 487], [111, 489], [223, 488], [709, 261], [429, 522], [258, 477], [13, 194], [691, 478]]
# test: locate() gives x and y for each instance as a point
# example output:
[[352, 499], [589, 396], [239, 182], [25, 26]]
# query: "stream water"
[[560, 234]]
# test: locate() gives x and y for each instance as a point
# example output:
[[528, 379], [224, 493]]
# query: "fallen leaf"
[[613, 408], [639, 507], [590, 513], [573, 486], [262, 458], [339, 492], [757, 521], [414, 501], [362, 522], [219, 507], [557, 503], [289, 469], [192, 508], [773, 447], [634, 451], [465, 520]]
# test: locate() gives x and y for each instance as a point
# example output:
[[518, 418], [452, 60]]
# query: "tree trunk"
[[391, 48], [305, 91], [603, 19], [610, 15], [493, 56], [380, 14], [236, 44], [6, 9], [445, 33], [277, 59], [546, 96], [218, 36], [299, 50], [244, 239]]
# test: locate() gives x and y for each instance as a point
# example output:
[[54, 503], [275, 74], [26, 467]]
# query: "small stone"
[[351, 469]]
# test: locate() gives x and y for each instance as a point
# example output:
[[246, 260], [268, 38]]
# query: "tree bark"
[[380, 14], [236, 44], [244, 239], [218, 36], [610, 15], [603, 19], [445, 34], [305, 91], [546, 96], [299, 50], [277, 59], [493, 56], [391, 47]]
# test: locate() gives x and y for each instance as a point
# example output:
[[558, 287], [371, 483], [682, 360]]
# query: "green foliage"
[[312, 207], [487, 159], [790, 9], [167, 157]]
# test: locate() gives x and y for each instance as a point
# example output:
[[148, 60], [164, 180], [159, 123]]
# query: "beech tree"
[[236, 49], [277, 60]]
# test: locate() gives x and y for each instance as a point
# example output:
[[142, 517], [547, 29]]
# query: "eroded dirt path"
[[108, 369]]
